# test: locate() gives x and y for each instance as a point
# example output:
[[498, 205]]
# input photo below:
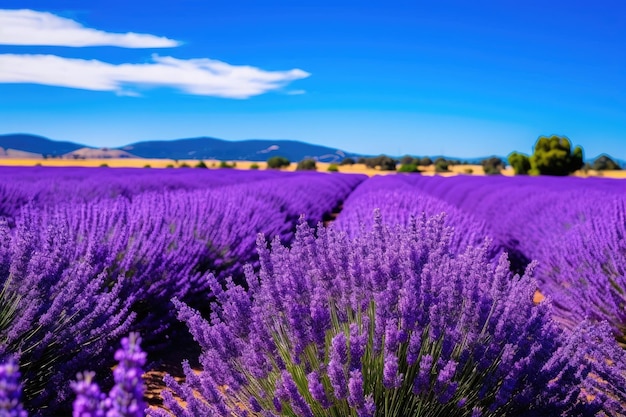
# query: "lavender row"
[[575, 228], [398, 199], [101, 268], [393, 322], [47, 186]]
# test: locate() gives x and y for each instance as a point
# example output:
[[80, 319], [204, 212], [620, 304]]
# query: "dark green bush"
[[411, 168], [520, 163], [333, 168], [278, 162], [307, 165]]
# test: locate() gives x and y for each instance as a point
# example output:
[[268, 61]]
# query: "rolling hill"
[[37, 144], [248, 150]]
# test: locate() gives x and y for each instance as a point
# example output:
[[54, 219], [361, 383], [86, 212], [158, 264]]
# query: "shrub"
[[278, 162], [333, 168], [169, 166], [184, 165], [147, 166], [408, 168], [553, 156], [307, 165], [201, 164], [224, 164], [58, 307], [104, 165], [425, 161], [441, 165], [390, 324], [347, 161], [254, 166], [520, 163], [492, 166], [383, 162]]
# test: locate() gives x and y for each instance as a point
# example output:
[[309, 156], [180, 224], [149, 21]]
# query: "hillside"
[[99, 153], [37, 144], [248, 150]]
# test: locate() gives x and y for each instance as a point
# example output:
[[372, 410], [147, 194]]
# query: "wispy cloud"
[[205, 77], [296, 92], [30, 27]]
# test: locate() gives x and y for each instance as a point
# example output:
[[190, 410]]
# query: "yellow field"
[[213, 164]]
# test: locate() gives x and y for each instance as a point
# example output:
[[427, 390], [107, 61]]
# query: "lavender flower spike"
[[89, 402], [11, 390], [126, 397]]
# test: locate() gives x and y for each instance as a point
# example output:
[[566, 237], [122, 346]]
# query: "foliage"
[[333, 168], [441, 165], [408, 168], [383, 162], [126, 397], [201, 164], [425, 161], [225, 164], [604, 162], [306, 165], [278, 162], [553, 156], [347, 161], [493, 165], [254, 166], [390, 323], [519, 162]]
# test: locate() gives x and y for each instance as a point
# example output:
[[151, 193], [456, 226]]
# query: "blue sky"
[[459, 78]]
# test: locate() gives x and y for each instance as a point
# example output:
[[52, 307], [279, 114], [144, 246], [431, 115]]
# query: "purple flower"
[[11, 389]]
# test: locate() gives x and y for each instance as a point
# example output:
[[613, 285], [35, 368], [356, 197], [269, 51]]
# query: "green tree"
[[410, 168], [554, 156], [493, 165], [519, 162], [425, 161], [333, 168], [278, 162], [347, 161], [307, 164], [254, 166], [441, 165], [201, 164], [604, 162], [384, 162]]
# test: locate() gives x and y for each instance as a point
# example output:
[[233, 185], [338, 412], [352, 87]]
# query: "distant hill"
[[15, 154], [248, 150], [98, 153], [37, 144]]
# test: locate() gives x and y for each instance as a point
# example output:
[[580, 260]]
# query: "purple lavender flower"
[[126, 397], [11, 390], [452, 362], [89, 402]]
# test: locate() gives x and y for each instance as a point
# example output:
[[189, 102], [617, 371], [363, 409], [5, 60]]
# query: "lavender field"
[[311, 294]]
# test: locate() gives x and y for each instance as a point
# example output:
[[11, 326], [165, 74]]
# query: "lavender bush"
[[126, 397], [57, 311], [389, 323], [573, 227]]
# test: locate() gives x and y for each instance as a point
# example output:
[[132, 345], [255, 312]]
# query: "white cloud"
[[30, 27], [296, 92], [205, 77]]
